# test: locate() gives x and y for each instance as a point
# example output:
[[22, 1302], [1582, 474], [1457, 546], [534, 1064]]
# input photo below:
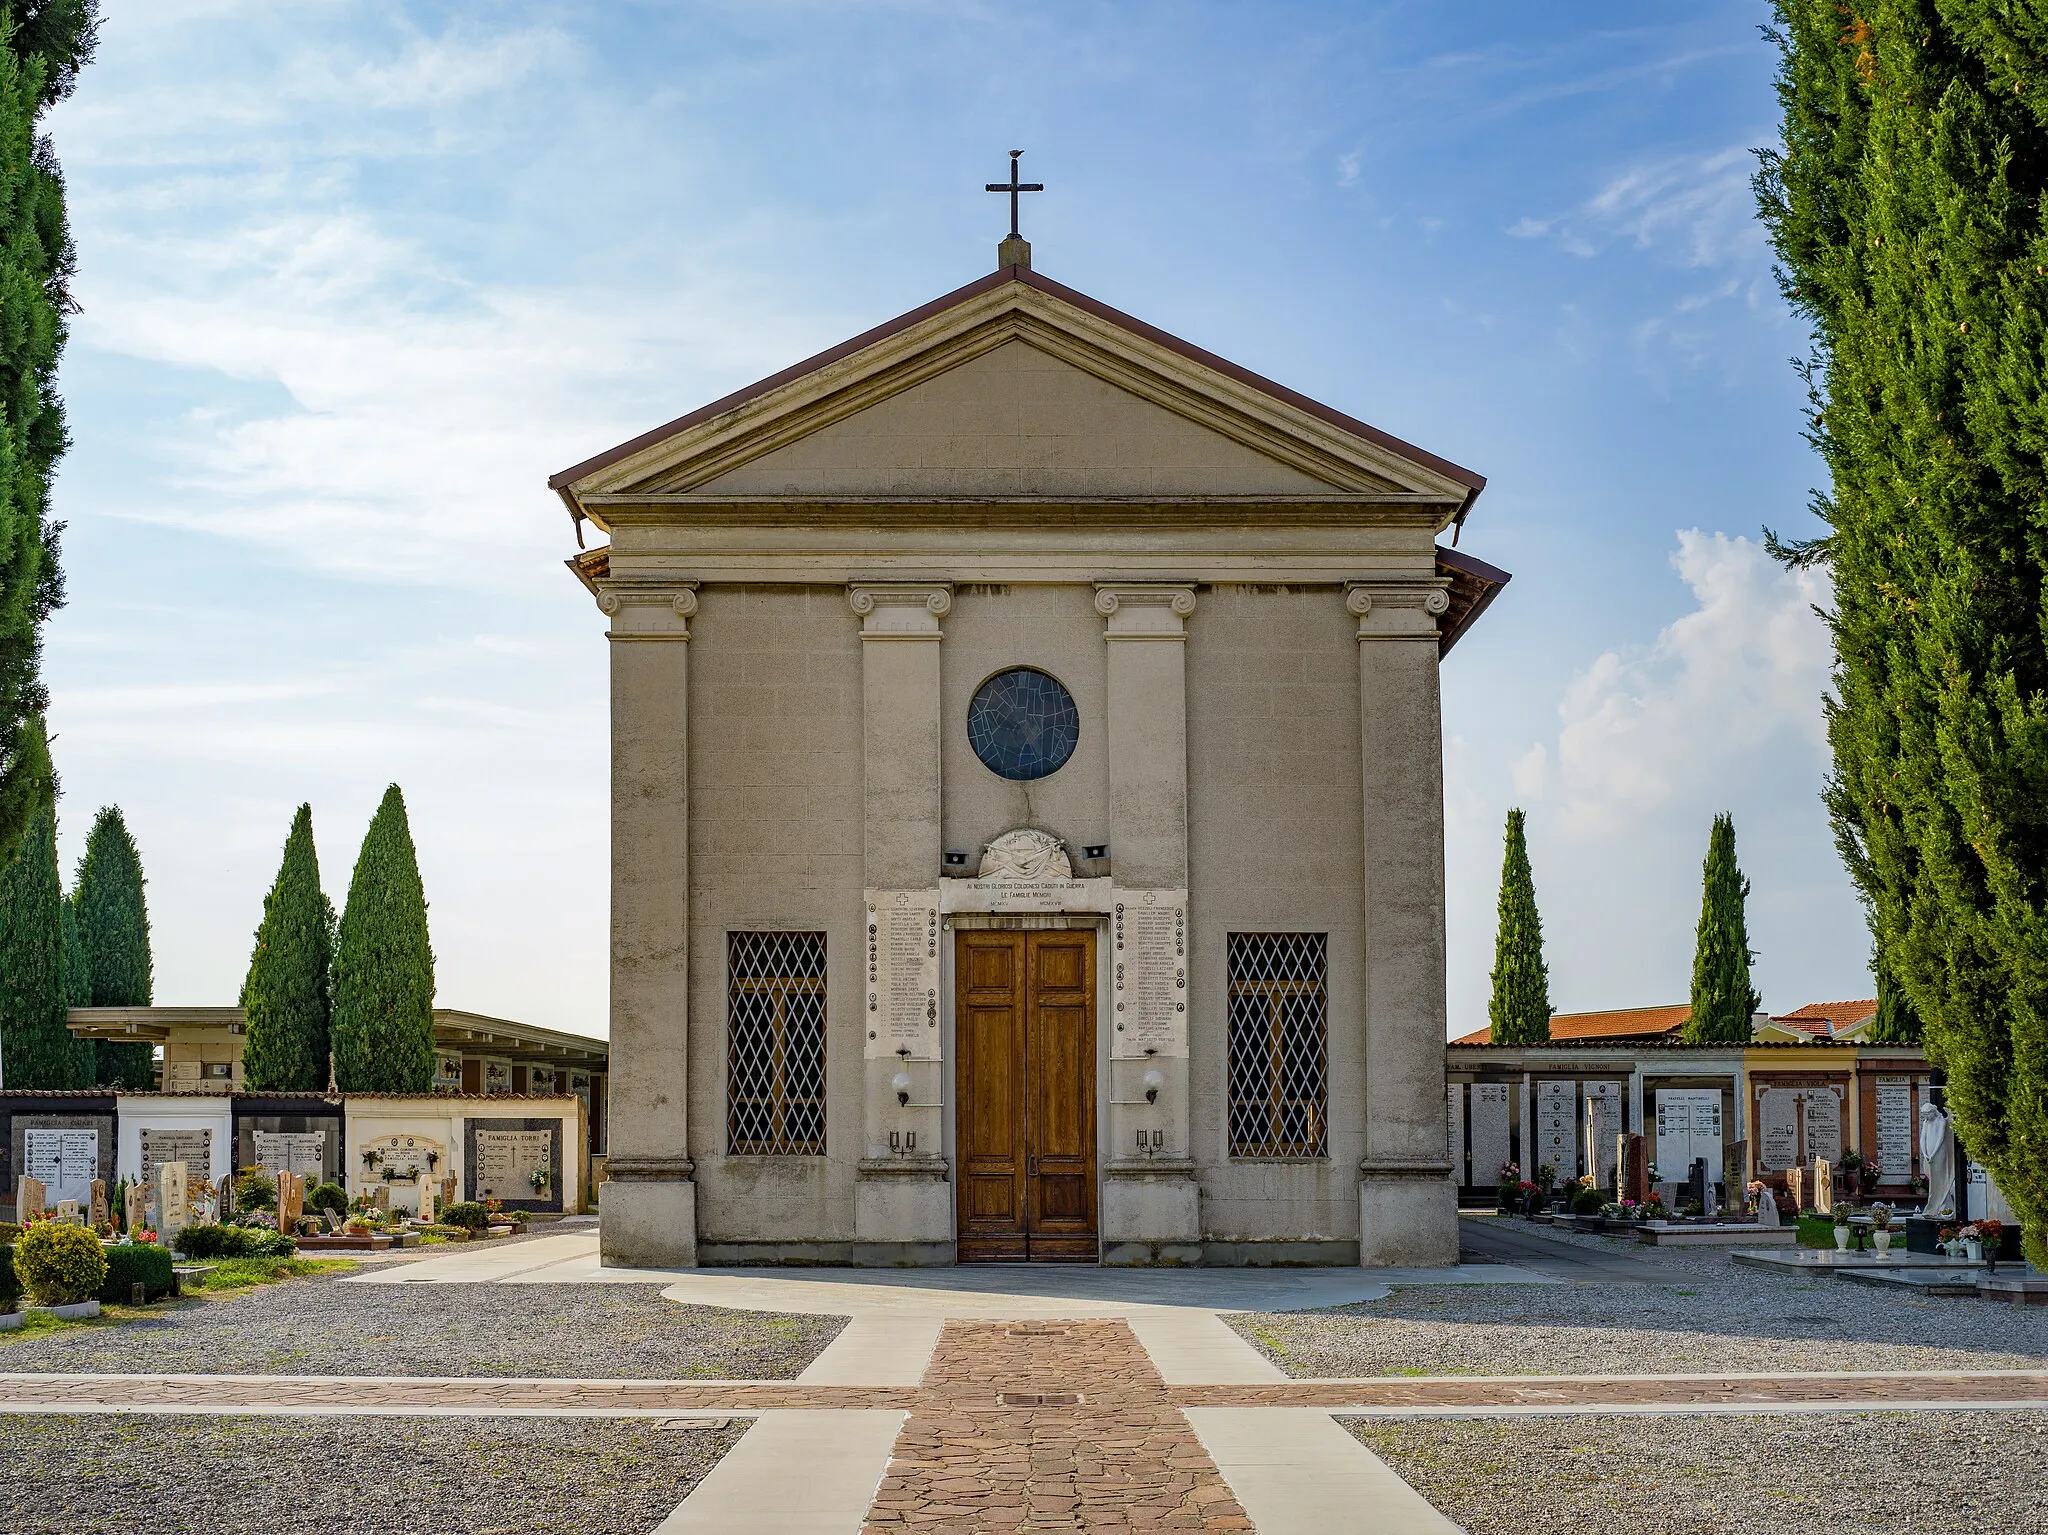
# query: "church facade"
[[1027, 833]]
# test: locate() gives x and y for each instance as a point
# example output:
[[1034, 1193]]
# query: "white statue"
[[1938, 1158], [1026, 854], [1766, 1207]]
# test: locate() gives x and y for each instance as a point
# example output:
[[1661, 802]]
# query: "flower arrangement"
[[1841, 1215], [1546, 1176], [1881, 1217], [540, 1178], [1652, 1209]]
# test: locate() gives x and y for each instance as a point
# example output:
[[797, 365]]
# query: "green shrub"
[[1588, 1201], [136, 1263], [10, 1287], [468, 1214], [210, 1241], [59, 1264], [327, 1196], [255, 1189]]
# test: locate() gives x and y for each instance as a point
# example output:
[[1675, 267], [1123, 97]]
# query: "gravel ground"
[[1847, 1473], [370, 1476], [317, 1326], [1728, 1317]]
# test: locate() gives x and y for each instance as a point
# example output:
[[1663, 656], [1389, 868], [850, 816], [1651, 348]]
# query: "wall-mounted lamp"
[[1095, 850], [1151, 1140], [955, 858], [901, 1082], [1154, 1080]]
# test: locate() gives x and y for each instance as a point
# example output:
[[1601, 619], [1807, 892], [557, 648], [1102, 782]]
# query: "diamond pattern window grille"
[[775, 1044], [1279, 1045]]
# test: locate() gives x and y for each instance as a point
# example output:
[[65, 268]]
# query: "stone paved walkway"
[[1022, 1401]]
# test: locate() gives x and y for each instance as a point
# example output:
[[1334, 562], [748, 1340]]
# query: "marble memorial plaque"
[[506, 1161], [902, 970], [173, 1201], [1148, 940], [1894, 1137], [1491, 1117], [1823, 1117], [1688, 1128], [1777, 1129], [1454, 1129], [1557, 1129], [1603, 1116], [64, 1161], [303, 1152], [194, 1148]]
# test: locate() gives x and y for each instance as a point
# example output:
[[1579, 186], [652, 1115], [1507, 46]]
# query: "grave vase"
[[1841, 1239], [1883, 1239]]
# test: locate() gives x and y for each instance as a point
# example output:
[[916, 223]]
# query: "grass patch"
[[40, 1324], [242, 1273]]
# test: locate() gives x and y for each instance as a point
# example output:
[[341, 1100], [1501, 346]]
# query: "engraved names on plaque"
[[1557, 1129], [507, 1160], [192, 1147], [1148, 940], [1895, 1127], [64, 1161], [902, 974]]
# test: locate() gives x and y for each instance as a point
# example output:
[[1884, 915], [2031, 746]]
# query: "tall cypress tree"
[[112, 922], [383, 1021], [1909, 209], [1519, 1011], [27, 785], [286, 995], [1722, 998], [43, 44], [1896, 1022], [36, 1049]]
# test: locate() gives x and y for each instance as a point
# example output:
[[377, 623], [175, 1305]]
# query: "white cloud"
[[1721, 686]]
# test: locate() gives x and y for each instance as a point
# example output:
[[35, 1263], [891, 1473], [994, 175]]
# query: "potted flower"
[[540, 1178], [1881, 1230], [1842, 1229], [1989, 1235]]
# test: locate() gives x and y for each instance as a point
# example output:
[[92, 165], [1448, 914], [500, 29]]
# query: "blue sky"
[[356, 278]]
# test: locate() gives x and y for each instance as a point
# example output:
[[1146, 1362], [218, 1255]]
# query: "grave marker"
[[173, 1202], [1635, 1169], [101, 1218], [1823, 1186], [380, 1199], [137, 1211], [291, 1201], [1795, 1188], [28, 1199], [67, 1211]]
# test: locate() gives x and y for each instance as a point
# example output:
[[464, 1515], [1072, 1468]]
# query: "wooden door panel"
[[1024, 1024]]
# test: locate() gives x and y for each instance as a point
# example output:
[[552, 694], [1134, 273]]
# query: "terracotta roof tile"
[[1621, 1023]]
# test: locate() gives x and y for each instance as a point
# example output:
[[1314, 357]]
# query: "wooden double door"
[[1024, 1036]]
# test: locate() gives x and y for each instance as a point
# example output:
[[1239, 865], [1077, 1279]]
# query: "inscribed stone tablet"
[[1823, 1124], [902, 972], [1895, 1126], [1603, 1112], [100, 1217], [174, 1209], [506, 1161], [303, 1152], [1557, 1128], [64, 1161], [136, 1215], [1777, 1129], [28, 1200], [192, 1147], [1688, 1127], [1148, 936], [1490, 1122], [1454, 1129]]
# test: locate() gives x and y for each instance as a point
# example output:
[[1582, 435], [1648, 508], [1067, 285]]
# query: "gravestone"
[[1766, 1207], [28, 1200], [1795, 1188], [173, 1202], [67, 1211], [1696, 1183], [1635, 1169], [1823, 1186], [137, 1212], [426, 1210], [101, 1219], [224, 1198], [333, 1220], [291, 1201], [63, 1159], [380, 1199]]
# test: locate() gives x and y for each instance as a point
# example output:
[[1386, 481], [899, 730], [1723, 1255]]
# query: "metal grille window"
[[775, 1044], [1279, 1045]]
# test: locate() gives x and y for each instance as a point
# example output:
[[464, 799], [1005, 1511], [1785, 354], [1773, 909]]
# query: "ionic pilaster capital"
[[1398, 607], [1145, 610], [648, 610], [900, 610]]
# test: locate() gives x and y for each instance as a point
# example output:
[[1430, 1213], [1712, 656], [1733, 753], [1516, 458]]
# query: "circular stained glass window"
[[1023, 724]]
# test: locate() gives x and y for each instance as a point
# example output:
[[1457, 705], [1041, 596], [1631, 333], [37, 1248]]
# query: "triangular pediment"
[[1015, 388]]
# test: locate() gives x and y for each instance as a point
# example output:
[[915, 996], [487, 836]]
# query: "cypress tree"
[[1896, 1022], [77, 975], [1722, 998], [29, 784], [1519, 1011], [112, 923], [286, 993], [36, 1049], [383, 1021], [43, 44], [1909, 209]]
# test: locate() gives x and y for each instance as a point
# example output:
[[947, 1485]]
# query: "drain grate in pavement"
[[1039, 1399]]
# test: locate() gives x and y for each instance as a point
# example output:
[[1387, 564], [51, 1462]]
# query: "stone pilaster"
[[1151, 1203], [649, 1213], [903, 1201], [1407, 1207]]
